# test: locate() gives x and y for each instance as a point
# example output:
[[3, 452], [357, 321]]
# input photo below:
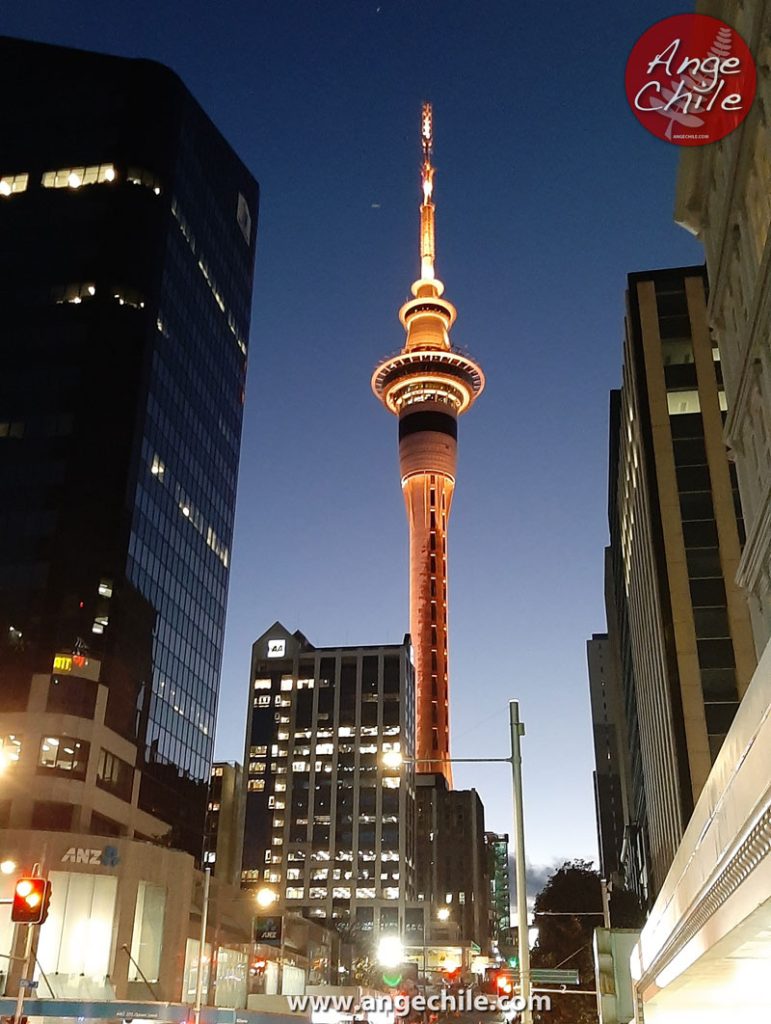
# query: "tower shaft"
[[428, 385]]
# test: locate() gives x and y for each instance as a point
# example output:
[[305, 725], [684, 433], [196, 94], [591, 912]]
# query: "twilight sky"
[[548, 193]]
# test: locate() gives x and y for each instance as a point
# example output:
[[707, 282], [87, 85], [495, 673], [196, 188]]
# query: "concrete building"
[[686, 623], [123, 347], [428, 385], [606, 715], [224, 838], [328, 825], [497, 848], [703, 954], [451, 857]]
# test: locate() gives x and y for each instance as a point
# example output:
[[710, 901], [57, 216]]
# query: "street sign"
[[28, 983], [546, 975], [554, 975], [267, 929]]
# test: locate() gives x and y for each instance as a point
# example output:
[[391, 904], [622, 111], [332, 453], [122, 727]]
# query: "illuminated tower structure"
[[428, 385]]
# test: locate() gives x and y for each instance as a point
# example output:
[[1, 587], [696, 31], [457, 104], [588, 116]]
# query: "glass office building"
[[328, 824], [127, 239]]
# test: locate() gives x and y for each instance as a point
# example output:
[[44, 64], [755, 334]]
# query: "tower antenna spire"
[[427, 240]]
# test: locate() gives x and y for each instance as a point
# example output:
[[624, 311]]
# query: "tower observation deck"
[[428, 385]]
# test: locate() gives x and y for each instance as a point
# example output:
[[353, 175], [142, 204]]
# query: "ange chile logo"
[[690, 79]]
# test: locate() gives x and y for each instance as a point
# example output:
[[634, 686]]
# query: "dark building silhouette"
[[451, 856], [680, 639], [127, 236]]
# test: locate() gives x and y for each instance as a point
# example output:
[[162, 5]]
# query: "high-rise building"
[[680, 533], [127, 231], [451, 857], [707, 939], [328, 825], [604, 692], [428, 385], [127, 240], [497, 848], [224, 837]]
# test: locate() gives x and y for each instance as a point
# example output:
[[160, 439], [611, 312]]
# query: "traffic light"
[[504, 985], [258, 968], [31, 899]]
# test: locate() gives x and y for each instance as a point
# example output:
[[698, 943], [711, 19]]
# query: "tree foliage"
[[568, 909]]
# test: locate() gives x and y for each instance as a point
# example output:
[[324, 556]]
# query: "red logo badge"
[[690, 79]]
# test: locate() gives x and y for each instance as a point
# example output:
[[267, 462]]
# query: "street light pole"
[[517, 731], [202, 946]]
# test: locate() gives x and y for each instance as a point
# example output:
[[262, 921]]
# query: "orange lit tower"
[[428, 385]]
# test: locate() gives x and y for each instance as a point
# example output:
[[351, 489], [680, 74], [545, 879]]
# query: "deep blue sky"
[[548, 194]]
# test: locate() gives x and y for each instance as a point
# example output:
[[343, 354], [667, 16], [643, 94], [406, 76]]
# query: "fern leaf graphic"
[[721, 48]]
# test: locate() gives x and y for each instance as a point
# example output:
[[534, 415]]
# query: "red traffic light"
[[31, 899]]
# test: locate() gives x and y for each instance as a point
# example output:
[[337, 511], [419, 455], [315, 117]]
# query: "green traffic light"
[[392, 980], [513, 961]]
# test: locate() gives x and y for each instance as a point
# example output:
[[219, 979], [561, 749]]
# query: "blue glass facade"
[[124, 341]]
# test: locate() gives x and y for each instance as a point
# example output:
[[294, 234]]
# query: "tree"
[[567, 910]]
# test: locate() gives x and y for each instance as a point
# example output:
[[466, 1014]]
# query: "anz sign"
[[107, 857]]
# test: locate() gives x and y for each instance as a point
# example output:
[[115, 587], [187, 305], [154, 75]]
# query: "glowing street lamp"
[[443, 913], [7, 867], [266, 897], [390, 951]]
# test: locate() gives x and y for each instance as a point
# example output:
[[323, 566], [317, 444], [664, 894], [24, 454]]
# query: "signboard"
[[276, 648], [267, 929]]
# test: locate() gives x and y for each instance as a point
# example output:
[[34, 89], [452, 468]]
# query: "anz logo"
[[276, 648], [107, 858]]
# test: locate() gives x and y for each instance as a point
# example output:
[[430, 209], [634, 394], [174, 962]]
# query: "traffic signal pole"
[[517, 731], [27, 962]]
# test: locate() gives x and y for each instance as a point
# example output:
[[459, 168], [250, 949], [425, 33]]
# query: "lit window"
[[317, 892], [391, 782], [256, 767], [300, 766], [286, 683], [278, 840], [10, 749], [138, 176], [683, 402], [76, 177], [105, 588], [262, 684], [263, 701], [391, 893], [12, 184], [255, 785], [366, 894], [64, 754], [126, 296], [294, 874], [100, 624], [280, 787], [157, 468], [294, 893], [73, 293], [258, 751], [305, 684], [341, 892]]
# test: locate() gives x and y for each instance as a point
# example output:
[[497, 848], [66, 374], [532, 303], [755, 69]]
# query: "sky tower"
[[428, 385]]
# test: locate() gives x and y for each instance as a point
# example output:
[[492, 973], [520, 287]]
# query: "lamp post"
[[394, 759]]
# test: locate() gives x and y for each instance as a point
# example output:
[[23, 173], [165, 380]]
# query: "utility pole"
[[517, 732], [202, 945]]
